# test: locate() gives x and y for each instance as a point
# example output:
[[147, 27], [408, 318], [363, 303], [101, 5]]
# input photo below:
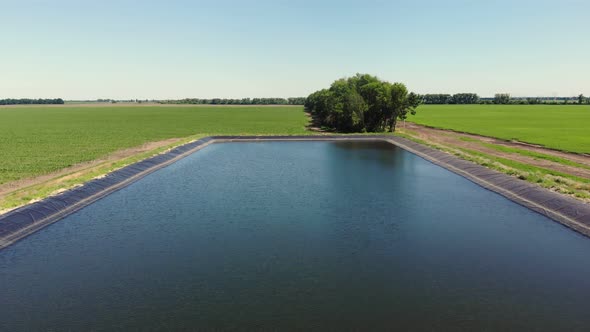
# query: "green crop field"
[[563, 127], [38, 140]]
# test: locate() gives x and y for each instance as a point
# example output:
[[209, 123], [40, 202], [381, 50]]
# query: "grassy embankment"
[[39, 140], [556, 127]]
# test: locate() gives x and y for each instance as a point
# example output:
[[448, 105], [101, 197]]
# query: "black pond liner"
[[28, 219]]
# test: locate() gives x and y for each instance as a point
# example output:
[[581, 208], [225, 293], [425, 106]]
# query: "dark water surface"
[[299, 235]]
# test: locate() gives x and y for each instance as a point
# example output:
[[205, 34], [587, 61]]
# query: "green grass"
[[535, 155], [561, 127], [557, 181], [526, 153], [525, 167], [550, 179], [40, 140], [23, 196]]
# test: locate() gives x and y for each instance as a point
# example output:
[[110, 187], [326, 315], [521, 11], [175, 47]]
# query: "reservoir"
[[321, 235]]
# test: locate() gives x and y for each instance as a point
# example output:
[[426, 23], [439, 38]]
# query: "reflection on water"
[[364, 145], [376, 151], [299, 235]]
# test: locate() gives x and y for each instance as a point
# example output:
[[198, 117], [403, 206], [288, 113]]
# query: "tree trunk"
[[392, 125]]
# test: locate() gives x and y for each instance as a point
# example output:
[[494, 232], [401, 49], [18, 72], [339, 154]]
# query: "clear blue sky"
[[231, 49]]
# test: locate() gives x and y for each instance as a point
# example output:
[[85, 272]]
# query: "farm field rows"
[[561, 127], [39, 140]]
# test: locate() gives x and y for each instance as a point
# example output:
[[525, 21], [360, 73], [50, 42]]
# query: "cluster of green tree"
[[458, 98], [361, 103], [439, 98], [243, 101], [502, 98], [26, 101]]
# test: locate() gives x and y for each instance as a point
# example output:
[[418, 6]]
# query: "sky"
[[172, 49]]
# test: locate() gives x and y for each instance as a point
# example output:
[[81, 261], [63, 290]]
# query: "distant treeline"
[[243, 101], [10, 101], [501, 99], [506, 99]]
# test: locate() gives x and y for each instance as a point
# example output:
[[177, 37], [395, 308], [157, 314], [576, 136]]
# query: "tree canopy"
[[502, 98], [362, 103]]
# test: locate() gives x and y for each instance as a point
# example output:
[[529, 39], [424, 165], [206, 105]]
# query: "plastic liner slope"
[[28, 219]]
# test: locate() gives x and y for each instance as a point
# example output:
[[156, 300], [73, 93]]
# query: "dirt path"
[[451, 138], [82, 168]]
